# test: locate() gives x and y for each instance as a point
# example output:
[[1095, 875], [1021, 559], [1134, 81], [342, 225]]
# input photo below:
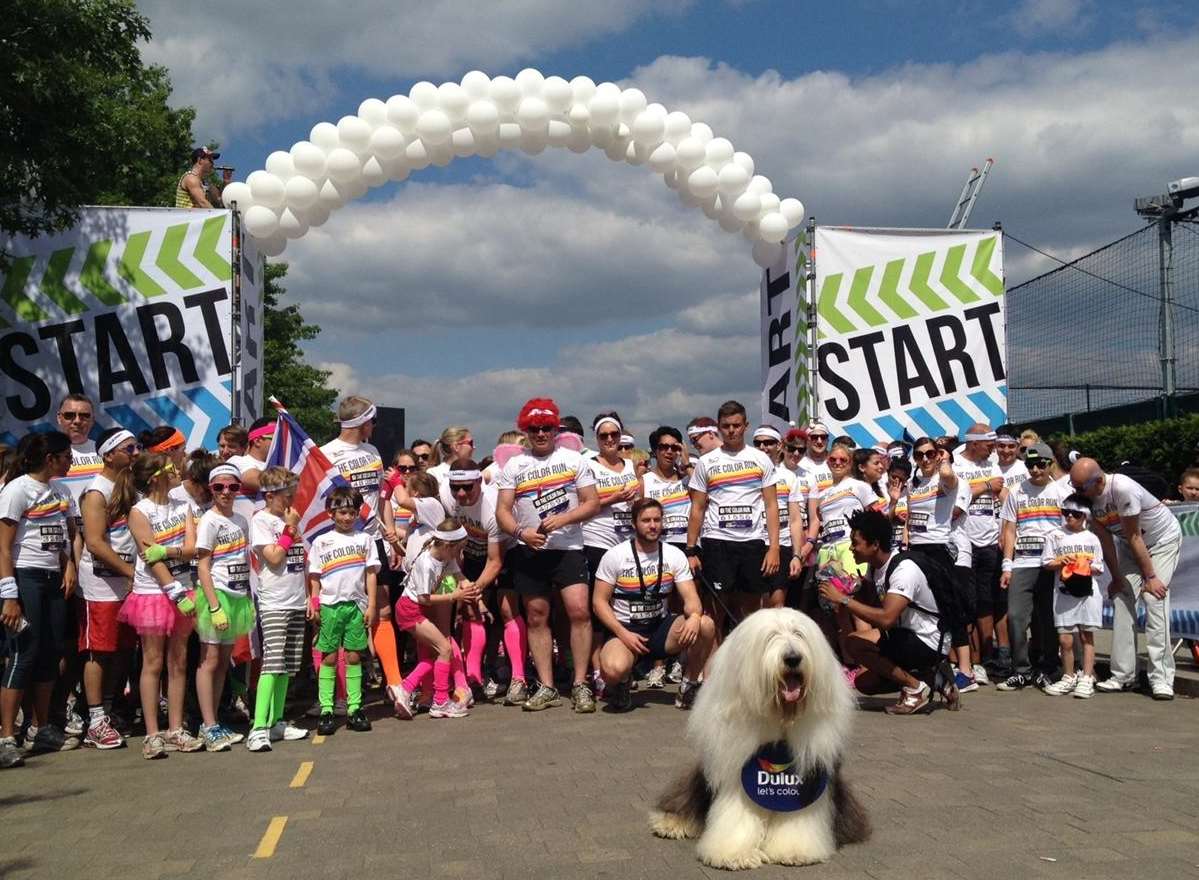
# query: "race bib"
[[735, 516], [554, 501], [54, 538], [1030, 546], [917, 521], [834, 530], [674, 526], [623, 521], [647, 610], [239, 576], [100, 570], [295, 557], [784, 515], [770, 781], [984, 505]]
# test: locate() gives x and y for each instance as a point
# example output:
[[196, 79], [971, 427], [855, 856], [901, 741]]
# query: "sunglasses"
[[73, 416], [669, 447], [1073, 514], [218, 488], [625, 446], [766, 443], [925, 454], [544, 429], [818, 438], [1094, 481], [1036, 464], [406, 468], [131, 449], [461, 487], [609, 435], [423, 456], [470, 443], [838, 460], [794, 449]]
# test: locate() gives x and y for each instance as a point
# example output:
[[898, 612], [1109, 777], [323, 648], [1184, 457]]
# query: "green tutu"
[[240, 610]]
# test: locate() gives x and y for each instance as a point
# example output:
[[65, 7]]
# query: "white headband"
[[697, 430], [983, 438], [1066, 505], [1005, 438], [767, 431], [458, 534], [224, 470], [600, 422], [464, 476], [627, 440], [114, 441], [359, 421]]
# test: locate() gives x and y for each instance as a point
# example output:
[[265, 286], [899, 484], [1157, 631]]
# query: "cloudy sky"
[[462, 291]]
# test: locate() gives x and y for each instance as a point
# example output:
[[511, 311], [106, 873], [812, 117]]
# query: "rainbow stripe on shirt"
[[171, 534], [234, 547], [403, 517], [48, 508], [743, 476], [671, 501], [82, 471], [782, 492], [548, 483], [630, 584], [1108, 519], [355, 559], [924, 493], [1049, 513], [606, 490]]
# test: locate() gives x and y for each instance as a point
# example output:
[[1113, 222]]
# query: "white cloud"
[[1038, 17]]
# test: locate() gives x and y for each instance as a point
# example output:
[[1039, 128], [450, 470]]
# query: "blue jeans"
[[33, 654]]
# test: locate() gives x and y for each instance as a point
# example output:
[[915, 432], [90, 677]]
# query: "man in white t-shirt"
[[1008, 457], [1141, 543], [905, 637], [545, 495], [815, 460], [734, 516]]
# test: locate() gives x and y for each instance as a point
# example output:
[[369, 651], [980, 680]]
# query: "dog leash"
[[703, 579]]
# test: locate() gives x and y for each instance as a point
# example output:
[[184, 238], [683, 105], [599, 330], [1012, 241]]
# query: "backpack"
[[949, 614]]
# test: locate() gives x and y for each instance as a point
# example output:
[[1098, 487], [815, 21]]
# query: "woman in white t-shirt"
[[162, 605], [37, 576]]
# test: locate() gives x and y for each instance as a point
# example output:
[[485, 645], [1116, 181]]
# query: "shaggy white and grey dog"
[[775, 679]]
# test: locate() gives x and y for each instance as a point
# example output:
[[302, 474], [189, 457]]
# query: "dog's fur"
[[740, 708]]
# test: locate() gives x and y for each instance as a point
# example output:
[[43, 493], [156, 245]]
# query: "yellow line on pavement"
[[266, 846], [301, 776], [317, 740]]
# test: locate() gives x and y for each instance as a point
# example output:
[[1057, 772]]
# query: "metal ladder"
[[970, 190]]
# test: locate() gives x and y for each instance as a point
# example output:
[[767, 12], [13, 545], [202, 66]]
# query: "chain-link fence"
[[1086, 336]]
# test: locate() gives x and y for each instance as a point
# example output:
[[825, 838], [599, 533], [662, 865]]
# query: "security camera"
[[1186, 188]]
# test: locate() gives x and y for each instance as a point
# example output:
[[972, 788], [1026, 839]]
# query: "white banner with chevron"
[[133, 307], [910, 331]]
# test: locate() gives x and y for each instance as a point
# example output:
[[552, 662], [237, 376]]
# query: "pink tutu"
[[155, 615]]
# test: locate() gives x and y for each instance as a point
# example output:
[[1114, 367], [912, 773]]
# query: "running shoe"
[[327, 726], [283, 731], [619, 697], [10, 755], [492, 689], [358, 721], [1084, 689], [1042, 680], [685, 698], [49, 739], [259, 740], [582, 699], [102, 735], [154, 747], [911, 701], [448, 709], [400, 700], [214, 739], [656, 680], [1114, 685], [75, 725], [518, 693], [980, 674], [542, 698], [1162, 692], [179, 740], [234, 736], [966, 683], [1015, 682], [676, 672], [1064, 685]]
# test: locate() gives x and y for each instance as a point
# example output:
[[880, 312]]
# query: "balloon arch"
[[433, 125]]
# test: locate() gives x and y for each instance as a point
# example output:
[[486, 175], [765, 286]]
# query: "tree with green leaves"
[[299, 386], [82, 119]]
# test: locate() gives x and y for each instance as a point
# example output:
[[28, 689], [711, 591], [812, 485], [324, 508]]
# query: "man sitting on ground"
[[905, 643]]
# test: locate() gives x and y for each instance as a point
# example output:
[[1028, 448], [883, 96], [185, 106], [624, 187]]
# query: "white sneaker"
[[448, 709], [656, 680], [980, 674], [1163, 692], [259, 740], [287, 732], [1062, 686], [401, 700], [1085, 688], [1113, 685]]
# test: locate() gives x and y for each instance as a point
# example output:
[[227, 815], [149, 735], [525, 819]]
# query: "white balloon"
[[373, 111], [733, 179], [454, 100], [678, 126], [354, 133], [240, 193], [434, 127], [532, 114], [773, 227], [701, 131], [656, 109], [583, 88], [602, 136], [759, 185], [533, 142], [690, 153], [711, 207], [579, 114], [373, 173], [301, 192], [482, 116], [266, 189], [314, 215], [747, 207], [609, 90], [354, 189], [487, 145], [636, 154], [509, 135], [325, 136], [273, 246], [557, 94], [718, 152], [423, 95], [343, 165], [703, 182], [579, 140], [441, 155], [662, 159], [793, 210], [746, 161], [417, 155], [279, 164], [506, 94], [477, 84], [767, 253], [770, 203], [290, 225], [632, 102], [648, 128], [672, 179], [531, 82], [462, 141], [604, 107], [402, 113], [260, 221], [558, 133], [387, 142], [330, 197]]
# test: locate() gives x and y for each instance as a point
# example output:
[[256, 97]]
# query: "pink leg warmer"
[[516, 645]]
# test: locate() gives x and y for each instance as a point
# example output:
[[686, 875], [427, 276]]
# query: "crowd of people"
[[142, 580]]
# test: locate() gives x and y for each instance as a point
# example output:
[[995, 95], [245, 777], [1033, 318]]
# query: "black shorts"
[[594, 555], [781, 579], [655, 633], [905, 649], [539, 572], [734, 566], [989, 599], [386, 577]]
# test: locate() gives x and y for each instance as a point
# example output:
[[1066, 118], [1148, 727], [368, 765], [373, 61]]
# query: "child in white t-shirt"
[[343, 565], [1076, 556], [282, 606]]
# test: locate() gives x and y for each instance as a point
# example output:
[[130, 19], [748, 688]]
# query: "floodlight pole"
[[1165, 251]]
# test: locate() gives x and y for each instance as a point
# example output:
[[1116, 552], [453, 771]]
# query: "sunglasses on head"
[[72, 416], [224, 487]]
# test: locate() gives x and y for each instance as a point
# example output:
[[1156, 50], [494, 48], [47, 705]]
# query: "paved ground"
[[1014, 785]]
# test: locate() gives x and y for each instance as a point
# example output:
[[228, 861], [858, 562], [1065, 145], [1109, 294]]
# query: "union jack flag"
[[296, 451]]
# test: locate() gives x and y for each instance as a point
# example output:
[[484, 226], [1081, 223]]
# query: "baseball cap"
[[1039, 450], [204, 153]]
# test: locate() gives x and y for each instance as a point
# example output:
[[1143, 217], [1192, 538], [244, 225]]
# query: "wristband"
[[175, 591], [154, 553], [8, 588], [314, 602], [692, 550], [285, 541], [1006, 566]]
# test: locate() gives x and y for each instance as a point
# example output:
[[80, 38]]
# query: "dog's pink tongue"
[[792, 688]]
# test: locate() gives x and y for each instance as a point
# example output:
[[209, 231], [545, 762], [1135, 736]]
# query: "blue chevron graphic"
[[926, 420], [860, 434], [894, 429], [128, 419], [960, 418], [995, 414], [9, 439], [171, 414], [217, 412]]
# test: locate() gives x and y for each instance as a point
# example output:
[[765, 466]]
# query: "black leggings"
[[33, 654], [939, 554]]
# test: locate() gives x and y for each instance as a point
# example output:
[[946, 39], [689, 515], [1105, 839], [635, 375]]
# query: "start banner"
[[910, 331], [786, 392], [133, 307]]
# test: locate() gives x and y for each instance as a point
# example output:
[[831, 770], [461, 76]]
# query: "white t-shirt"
[[837, 503], [227, 538], [631, 603], [281, 587], [197, 510], [1036, 511], [1071, 610], [362, 467], [786, 493], [908, 580], [613, 523], [733, 482], [930, 509], [1013, 474], [424, 577], [441, 473], [982, 519], [820, 476], [547, 485], [86, 465], [97, 582], [342, 561], [1124, 496], [898, 521], [481, 528], [168, 523], [676, 505], [959, 540], [40, 511]]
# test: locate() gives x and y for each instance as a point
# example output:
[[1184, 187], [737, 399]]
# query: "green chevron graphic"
[[951, 275], [206, 249], [857, 298], [91, 276], [168, 258], [803, 350], [13, 291], [826, 305], [53, 285], [888, 291], [130, 267], [980, 269], [921, 287]]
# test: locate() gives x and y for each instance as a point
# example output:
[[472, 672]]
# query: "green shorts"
[[342, 626]]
